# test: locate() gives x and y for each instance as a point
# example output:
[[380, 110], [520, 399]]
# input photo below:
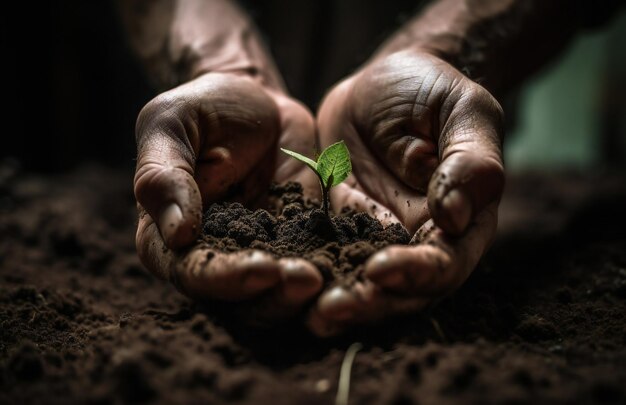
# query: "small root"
[[343, 390]]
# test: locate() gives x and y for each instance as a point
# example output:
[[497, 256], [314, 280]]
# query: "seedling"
[[343, 389], [332, 167]]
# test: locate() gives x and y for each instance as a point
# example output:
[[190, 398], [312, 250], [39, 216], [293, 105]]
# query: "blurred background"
[[73, 87], [573, 113]]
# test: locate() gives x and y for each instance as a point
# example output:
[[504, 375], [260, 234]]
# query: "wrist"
[[180, 40], [439, 30], [243, 68], [496, 43], [414, 49], [217, 36]]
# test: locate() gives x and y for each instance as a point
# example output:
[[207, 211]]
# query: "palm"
[[233, 126], [391, 117], [212, 139], [425, 143]]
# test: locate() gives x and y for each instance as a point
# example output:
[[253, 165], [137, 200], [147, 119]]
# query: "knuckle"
[[159, 104], [491, 178], [494, 110], [146, 179], [492, 167], [161, 111], [487, 105]]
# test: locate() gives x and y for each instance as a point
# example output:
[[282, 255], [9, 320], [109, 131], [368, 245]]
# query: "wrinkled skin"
[[208, 140], [426, 152]]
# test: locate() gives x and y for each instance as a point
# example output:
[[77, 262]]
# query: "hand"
[[426, 152], [208, 140]]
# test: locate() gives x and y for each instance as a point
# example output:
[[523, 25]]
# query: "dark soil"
[[542, 320], [337, 245]]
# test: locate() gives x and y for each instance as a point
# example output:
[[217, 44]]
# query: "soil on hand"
[[541, 320], [338, 245]]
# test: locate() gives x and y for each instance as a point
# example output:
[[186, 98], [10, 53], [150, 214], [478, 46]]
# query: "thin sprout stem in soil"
[[325, 192], [438, 329], [343, 390], [326, 199]]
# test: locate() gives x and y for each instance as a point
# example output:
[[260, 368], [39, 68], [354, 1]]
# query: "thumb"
[[164, 183], [471, 173]]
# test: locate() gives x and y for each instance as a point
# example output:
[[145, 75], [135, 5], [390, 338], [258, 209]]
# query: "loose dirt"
[[541, 320]]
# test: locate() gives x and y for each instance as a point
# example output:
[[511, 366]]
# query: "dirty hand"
[[211, 139], [426, 152]]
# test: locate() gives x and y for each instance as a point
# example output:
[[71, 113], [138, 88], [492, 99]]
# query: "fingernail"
[[379, 268], [170, 219], [336, 304], [458, 209], [301, 279]]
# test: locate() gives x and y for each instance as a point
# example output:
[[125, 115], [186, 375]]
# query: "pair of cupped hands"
[[425, 143]]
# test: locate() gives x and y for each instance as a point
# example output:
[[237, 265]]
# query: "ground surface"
[[542, 320]]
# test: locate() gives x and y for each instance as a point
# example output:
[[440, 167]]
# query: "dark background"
[[73, 88]]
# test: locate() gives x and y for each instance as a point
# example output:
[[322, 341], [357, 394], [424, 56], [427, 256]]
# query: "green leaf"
[[334, 164], [309, 162]]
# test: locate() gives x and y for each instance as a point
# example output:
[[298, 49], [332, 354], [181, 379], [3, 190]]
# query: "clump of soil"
[[338, 245]]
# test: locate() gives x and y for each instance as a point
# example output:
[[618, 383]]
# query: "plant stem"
[[438, 329], [326, 193], [325, 200]]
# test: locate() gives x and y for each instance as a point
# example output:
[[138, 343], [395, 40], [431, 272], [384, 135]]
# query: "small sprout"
[[332, 167], [343, 389]]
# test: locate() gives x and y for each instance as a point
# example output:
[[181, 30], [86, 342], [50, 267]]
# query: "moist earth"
[[541, 320], [338, 245]]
